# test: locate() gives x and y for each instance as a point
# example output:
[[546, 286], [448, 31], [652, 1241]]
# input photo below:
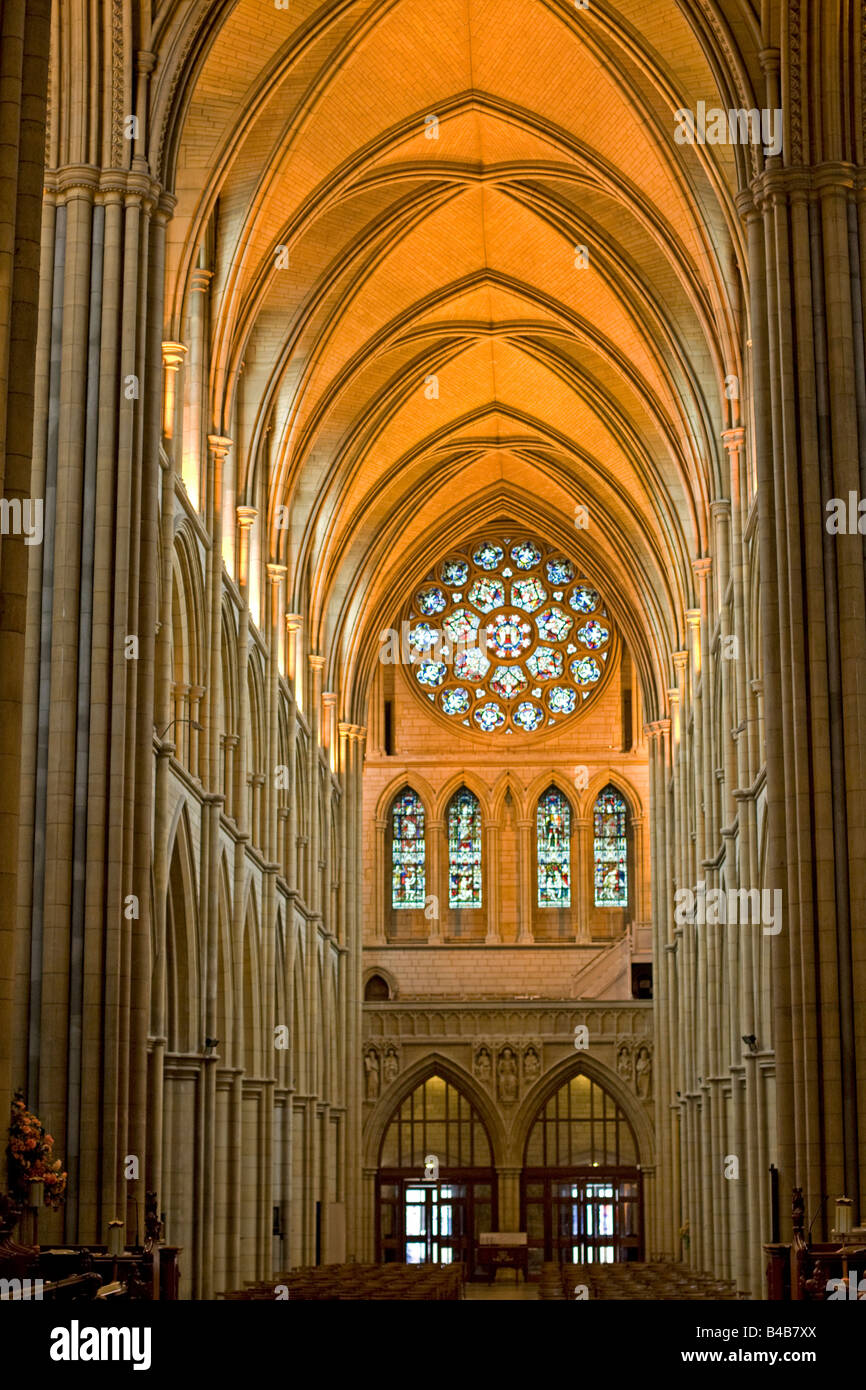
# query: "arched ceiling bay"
[[462, 269]]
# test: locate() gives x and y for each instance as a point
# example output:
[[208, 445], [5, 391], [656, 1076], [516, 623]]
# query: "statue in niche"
[[531, 1064], [507, 1074], [623, 1061], [371, 1065], [643, 1073], [482, 1064], [390, 1066]]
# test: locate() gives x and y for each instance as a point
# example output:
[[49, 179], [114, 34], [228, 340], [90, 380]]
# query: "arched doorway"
[[435, 1189], [581, 1189]]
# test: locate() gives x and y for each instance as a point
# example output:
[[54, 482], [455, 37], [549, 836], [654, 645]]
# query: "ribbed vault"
[[462, 270]]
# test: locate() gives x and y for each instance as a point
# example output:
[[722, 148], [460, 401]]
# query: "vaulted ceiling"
[[463, 271]]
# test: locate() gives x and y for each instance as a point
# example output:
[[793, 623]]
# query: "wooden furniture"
[[81, 1270], [358, 1283], [503, 1250], [634, 1281], [801, 1271]]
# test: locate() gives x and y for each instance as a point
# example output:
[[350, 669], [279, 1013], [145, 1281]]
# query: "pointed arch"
[[226, 992], [412, 779], [610, 1082], [251, 989], [433, 1064], [465, 778], [182, 941], [299, 1068]]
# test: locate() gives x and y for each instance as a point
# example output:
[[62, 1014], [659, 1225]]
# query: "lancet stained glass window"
[[464, 850], [407, 851], [554, 850], [610, 850]]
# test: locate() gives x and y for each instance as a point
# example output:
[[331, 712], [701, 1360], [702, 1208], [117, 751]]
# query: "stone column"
[[491, 882], [583, 876], [295, 664], [173, 355], [378, 935], [437, 884], [276, 574], [525, 934], [195, 394]]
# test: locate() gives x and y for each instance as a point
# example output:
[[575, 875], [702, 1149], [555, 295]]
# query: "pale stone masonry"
[[293, 304]]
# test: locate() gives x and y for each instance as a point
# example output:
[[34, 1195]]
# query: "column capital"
[[220, 444], [246, 515], [294, 621], [276, 573], [317, 663], [199, 280], [703, 568], [345, 730], [680, 660], [329, 698], [173, 355], [673, 695], [693, 619], [734, 439]]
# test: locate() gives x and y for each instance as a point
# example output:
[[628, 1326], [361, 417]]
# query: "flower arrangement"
[[29, 1154]]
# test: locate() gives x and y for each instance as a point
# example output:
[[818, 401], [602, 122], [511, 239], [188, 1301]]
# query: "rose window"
[[506, 636]]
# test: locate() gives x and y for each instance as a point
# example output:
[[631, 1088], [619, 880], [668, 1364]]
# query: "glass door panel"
[[581, 1219]]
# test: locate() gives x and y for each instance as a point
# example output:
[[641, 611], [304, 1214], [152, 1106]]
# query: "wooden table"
[[503, 1250]]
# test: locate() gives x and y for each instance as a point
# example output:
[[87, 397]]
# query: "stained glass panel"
[[545, 663], [593, 635], [489, 717], [431, 672], [584, 599], [509, 636], [454, 573], [464, 851], [508, 681], [554, 850], [586, 670], [407, 851], [610, 850], [528, 716], [471, 665], [553, 625], [488, 556], [487, 594], [456, 700], [489, 603], [431, 601], [560, 571], [525, 555], [528, 594]]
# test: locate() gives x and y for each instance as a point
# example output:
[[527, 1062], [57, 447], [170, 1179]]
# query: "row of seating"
[[656, 1282], [329, 1283]]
